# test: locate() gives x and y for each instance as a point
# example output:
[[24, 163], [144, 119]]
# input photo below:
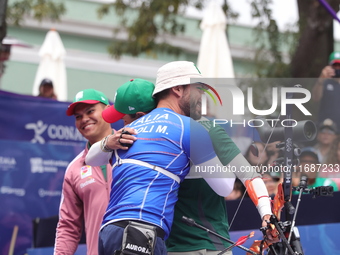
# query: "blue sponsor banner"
[[37, 142], [31, 177], [38, 120]]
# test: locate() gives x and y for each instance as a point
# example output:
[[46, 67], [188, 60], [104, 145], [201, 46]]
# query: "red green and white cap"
[[87, 96], [334, 58], [132, 97]]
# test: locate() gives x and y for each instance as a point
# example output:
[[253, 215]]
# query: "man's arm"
[[206, 164], [100, 152], [222, 185], [256, 188], [317, 91], [243, 170], [96, 156], [236, 165]]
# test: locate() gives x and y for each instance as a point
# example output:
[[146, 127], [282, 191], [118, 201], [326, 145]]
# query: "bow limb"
[[258, 246], [278, 202]]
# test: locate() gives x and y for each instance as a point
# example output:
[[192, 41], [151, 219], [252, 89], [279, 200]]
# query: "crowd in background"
[[320, 163]]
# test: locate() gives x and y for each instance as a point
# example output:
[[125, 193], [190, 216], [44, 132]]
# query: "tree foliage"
[[308, 43], [147, 23], [17, 10], [269, 60], [154, 19], [278, 54], [13, 12], [316, 38], [144, 32], [38, 9]]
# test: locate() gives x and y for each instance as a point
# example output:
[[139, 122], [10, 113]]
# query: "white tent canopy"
[[214, 59], [52, 66], [215, 62]]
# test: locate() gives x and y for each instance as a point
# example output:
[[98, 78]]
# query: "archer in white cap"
[[174, 88], [147, 176], [174, 77]]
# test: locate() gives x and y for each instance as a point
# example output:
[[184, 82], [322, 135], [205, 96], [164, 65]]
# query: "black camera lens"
[[309, 131], [304, 131]]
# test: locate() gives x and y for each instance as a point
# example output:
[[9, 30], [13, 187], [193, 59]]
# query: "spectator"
[[327, 133], [333, 163], [326, 90], [46, 89], [309, 166]]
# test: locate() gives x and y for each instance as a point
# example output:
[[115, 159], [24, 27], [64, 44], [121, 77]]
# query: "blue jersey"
[[164, 139]]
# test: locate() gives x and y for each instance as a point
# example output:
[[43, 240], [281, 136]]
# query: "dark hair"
[[161, 95], [134, 115], [309, 153], [46, 82]]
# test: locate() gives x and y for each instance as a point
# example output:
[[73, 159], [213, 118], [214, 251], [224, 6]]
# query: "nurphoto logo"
[[278, 99]]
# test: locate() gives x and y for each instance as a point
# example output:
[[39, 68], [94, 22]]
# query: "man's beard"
[[189, 108]]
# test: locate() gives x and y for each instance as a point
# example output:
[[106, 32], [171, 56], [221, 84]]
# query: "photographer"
[[310, 167], [326, 91]]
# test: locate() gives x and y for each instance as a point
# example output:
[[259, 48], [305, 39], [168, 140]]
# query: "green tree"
[[316, 38], [13, 12], [153, 20], [309, 46], [270, 42], [308, 51], [38, 9]]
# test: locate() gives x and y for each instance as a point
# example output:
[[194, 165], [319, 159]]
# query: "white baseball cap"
[[175, 73]]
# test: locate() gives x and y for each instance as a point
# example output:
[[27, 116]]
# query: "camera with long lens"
[[303, 131]]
